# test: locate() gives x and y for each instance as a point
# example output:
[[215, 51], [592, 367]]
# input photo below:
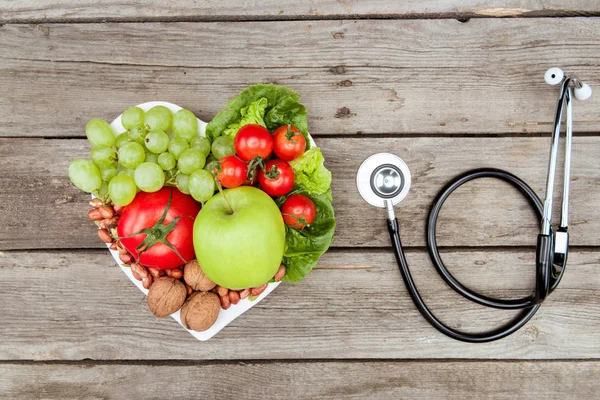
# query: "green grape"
[[210, 166], [185, 124], [129, 172], [137, 134], [122, 189], [149, 177], [132, 117], [108, 173], [157, 141], [166, 161], [202, 143], [182, 183], [99, 133], [222, 146], [177, 146], [85, 175], [102, 192], [211, 158], [122, 139], [131, 155], [151, 157], [201, 185], [191, 160], [103, 156], [158, 118]]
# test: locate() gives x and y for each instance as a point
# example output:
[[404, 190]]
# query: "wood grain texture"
[[74, 305], [114, 10], [393, 76], [43, 209], [318, 380]]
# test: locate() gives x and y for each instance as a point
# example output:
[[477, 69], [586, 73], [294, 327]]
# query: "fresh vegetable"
[[298, 211], [289, 143], [157, 228], [311, 174], [251, 114], [239, 249], [231, 172], [277, 179], [253, 141]]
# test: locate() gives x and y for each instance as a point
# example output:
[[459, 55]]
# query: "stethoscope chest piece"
[[383, 177]]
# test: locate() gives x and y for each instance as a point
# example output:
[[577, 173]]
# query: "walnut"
[[166, 296], [194, 276], [200, 311]]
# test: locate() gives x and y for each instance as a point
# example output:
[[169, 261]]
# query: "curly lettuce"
[[254, 113], [310, 172]]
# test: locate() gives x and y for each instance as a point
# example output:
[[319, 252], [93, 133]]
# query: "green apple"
[[243, 248]]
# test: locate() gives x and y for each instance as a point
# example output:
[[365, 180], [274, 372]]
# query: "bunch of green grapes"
[[158, 148]]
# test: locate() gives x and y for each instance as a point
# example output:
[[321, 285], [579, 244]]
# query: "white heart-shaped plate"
[[225, 316]]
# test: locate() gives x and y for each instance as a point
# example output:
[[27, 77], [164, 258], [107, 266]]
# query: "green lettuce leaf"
[[281, 108], [304, 247], [310, 172]]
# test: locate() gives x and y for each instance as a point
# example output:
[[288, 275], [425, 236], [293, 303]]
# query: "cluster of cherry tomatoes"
[[254, 163]]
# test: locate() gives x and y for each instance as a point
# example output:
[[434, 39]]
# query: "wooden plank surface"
[[74, 305], [114, 10], [322, 380], [44, 210], [393, 76]]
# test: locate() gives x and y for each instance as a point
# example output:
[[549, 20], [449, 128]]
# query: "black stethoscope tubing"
[[546, 282]]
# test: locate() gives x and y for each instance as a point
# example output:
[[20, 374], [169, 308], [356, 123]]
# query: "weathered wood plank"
[[74, 305], [114, 10], [402, 76], [43, 210], [322, 380]]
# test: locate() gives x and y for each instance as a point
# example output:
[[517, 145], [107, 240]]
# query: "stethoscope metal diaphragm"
[[383, 177]]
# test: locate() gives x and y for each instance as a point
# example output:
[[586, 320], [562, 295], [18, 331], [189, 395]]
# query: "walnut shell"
[[200, 311], [194, 276], [166, 295]]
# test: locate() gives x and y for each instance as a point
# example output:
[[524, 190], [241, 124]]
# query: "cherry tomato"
[[231, 171], [144, 212], [253, 141], [277, 179], [289, 142], [298, 211]]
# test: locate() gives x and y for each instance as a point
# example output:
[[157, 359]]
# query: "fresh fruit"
[[157, 141], [298, 211], [222, 146], [289, 142], [99, 133], [191, 160], [166, 161], [166, 296], [177, 146], [85, 175], [158, 118], [103, 156], [185, 124], [108, 173], [200, 311], [243, 246], [122, 189], [122, 139], [277, 179], [157, 228], [201, 185], [137, 134], [253, 141], [131, 155], [132, 117], [231, 172], [149, 177], [182, 181], [202, 143]]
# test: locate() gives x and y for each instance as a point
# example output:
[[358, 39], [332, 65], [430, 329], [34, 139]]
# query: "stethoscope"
[[384, 180]]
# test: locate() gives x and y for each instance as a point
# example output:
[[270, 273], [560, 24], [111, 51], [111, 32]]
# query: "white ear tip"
[[554, 76], [584, 92]]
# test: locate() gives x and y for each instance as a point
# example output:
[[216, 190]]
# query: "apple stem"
[[224, 197]]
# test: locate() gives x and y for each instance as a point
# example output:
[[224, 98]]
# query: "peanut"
[[104, 236], [125, 258], [222, 291], [244, 293], [147, 282], [234, 297], [135, 274], [96, 202], [168, 272], [176, 273], [113, 246], [156, 273], [140, 269], [106, 211], [94, 215], [189, 289], [117, 208], [122, 250], [109, 223], [258, 290], [280, 273], [225, 303]]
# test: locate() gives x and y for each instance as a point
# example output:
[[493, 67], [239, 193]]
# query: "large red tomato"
[[143, 215]]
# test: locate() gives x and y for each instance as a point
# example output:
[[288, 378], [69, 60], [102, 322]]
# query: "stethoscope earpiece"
[[555, 75]]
